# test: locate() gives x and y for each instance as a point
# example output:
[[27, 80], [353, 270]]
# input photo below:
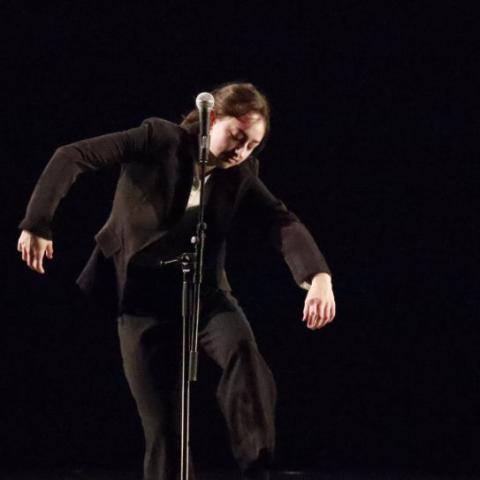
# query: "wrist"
[[322, 277]]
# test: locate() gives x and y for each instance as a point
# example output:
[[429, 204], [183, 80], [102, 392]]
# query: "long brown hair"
[[236, 100]]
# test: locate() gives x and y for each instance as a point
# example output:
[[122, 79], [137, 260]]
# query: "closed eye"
[[242, 137], [239, 137]]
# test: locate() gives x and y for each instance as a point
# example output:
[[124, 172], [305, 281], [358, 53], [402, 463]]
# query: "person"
[[153, 217]]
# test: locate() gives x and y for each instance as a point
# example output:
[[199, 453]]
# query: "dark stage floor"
[[79, 474]]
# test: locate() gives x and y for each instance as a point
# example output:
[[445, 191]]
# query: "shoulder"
[[163, 132], [251, 166]]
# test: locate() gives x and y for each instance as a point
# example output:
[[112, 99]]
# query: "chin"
[[225, 165]]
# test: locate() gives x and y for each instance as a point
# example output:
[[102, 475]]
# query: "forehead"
[[253, 124]]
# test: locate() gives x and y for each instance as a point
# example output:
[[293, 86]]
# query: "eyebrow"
[[254, 140]]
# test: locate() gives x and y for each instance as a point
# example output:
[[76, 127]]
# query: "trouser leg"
[[151, 354], [246, 392]]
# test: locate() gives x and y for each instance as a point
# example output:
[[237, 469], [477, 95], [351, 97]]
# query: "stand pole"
[[192, 268], [186, 264]]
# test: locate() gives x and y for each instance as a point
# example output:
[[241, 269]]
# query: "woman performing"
[[153, 218]]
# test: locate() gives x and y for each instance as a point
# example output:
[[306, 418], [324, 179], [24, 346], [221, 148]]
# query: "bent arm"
[[289, 236], [307, 264], [71, 160]]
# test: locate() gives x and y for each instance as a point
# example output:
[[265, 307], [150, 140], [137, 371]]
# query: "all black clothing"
[[246, 392], [150, 338], [157, 172], [157, 161], [148, 284]]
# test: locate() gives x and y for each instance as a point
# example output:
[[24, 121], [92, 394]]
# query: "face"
[[233, 139]]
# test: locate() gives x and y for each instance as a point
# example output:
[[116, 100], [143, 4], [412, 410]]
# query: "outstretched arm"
[[35, 241], [71, 160], [301, 253]]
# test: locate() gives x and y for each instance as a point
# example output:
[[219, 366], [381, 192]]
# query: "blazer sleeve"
[[71, 160], [289, 236]]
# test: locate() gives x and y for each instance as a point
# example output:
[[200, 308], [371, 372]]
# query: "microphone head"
[[205, 100]]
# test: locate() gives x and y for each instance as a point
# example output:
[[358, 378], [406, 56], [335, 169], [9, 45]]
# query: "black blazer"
[[152, 192]]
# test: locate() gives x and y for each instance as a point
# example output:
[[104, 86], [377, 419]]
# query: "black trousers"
[[246, 393]]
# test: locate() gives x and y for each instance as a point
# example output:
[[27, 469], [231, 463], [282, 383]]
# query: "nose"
[[242, 151]]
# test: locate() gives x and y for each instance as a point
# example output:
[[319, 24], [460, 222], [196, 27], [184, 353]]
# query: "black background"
[[373, 131]]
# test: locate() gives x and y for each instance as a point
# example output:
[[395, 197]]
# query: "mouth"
[[232, 160]]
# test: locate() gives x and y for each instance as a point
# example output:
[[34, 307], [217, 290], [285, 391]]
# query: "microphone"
[[205, 103]]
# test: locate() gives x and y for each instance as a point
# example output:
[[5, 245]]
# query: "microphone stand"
[[192, 268]]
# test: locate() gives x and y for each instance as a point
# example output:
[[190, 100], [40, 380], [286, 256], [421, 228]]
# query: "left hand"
[[319, 309]]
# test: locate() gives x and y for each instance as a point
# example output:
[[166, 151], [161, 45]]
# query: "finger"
[[312, 316], [331, 313], [37, 261], [306, 309], [49, 251], [320, 323], [33, 261], [40, 256], [26, 255], [328, 313], [320, 315], [316, 319], [326, 310]]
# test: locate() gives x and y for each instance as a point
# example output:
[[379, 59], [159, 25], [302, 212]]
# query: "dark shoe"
[[260, 468]]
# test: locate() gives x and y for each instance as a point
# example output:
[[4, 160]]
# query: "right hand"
[[34, 249]]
